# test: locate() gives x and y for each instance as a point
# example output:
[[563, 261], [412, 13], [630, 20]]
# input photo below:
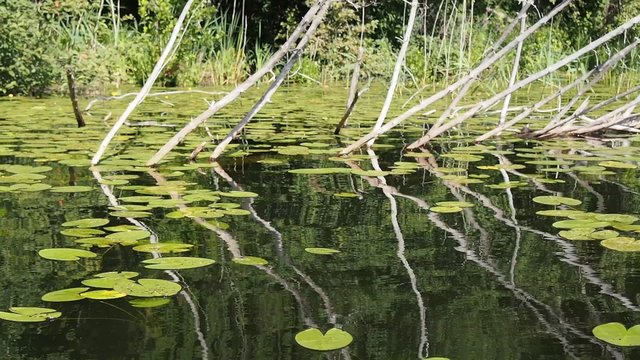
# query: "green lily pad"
[[72, 294], [577, 234], [71, 189], [556, 200], [617, 165], [250, 260], [149, 302], [617, 334], [96, 241], [29, 314], [621, 218], [29, 187], [103, 294], [321, 251], [148, 288], [559, 212], [346, 195], [321, 171], [120, 228], [86, 223], [65, 254], [460, 204], [81, 232], [625, 227], [624, 244], [445, 209], [130, 214], [176, 263], [24, 169], [579, 224], [604, 234], [128, 236], [239, 194], [370, 173], [333, 339], [163, 248], [140, 199]]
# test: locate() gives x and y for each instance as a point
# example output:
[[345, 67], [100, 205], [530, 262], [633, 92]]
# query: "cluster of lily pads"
[[581, 225]]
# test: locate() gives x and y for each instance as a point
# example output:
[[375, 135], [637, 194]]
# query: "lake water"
[[483, 278]]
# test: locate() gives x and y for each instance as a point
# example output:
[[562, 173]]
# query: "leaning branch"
[[252, 80], [160, 64]]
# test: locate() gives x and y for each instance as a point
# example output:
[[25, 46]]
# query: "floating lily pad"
[[130, 214], [176, 263], [321, 171], [120, 228], [236, 212], [24, 169], [559, 212], [96, 241], [577, 234], [65, 254], [445, 209], [370, 172], [149, 302], [29, 187], [163, 248], [148, 288], [86, 223], [620, 218], [128, 236], [579, 224], [604, 234], [239, 194], [346, 195], [617, 165], [82, 232], [29, 314], [72, 294], [556, 200], [103, 294], [460, 204], [617, 334], [625, 227], [321, 251], [71, 189], [624, 244], [333, 339], [250, 260]]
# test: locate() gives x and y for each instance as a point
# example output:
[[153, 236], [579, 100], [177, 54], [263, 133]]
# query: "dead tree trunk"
[[252, 80], [73, 94], [354, 95]]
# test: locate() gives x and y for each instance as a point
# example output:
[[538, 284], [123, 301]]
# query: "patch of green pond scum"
[[332, 246]]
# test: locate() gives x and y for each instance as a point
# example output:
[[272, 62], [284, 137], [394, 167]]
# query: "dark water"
[[494, 281]]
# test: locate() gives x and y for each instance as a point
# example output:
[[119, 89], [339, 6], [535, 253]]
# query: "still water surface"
[[492, 281]]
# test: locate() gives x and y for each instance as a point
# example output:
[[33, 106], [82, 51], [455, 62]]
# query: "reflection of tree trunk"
[[153, 238]]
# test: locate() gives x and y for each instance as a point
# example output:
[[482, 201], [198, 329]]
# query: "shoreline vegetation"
[[113, 44]]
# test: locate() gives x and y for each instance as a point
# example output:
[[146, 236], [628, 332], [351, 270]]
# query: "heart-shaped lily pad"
[[321, 251], [332, 340], [556, 200], [86, 223], [617, 334], [103, 294], [163, 248], [148, 288], [29, 314], [65, 254], [625, 244], [175, 263], [72, 294], [250, 260]]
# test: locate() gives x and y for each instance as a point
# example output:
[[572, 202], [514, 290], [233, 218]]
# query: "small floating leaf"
[[577, 234], [71, 189], [321, 171], [604, 234], [617, 334], [250, 260], [103, 294], [128, 236], [120, 228], [621, 218], [346, 195], [239, 194], [617, 165], [556, 200], [130, 214], [148, 288], [86, 223], [582, 224], [624, 244], [149, 302], [72, 294], [29, 314], [445, 209], [372, 173], [163, 248], [559, 212], [176, 263], [82, 232], [460, 204], [321, 251], [333, 339], [65, 254]]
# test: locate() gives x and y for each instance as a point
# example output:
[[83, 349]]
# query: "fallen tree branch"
[[244, 86], [160, 64], [73, 94]]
